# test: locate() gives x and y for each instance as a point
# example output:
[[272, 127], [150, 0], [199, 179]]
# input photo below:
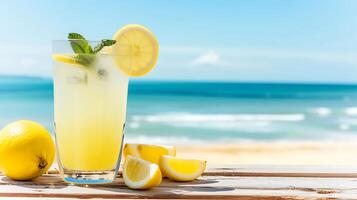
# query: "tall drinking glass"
[[90, 109]]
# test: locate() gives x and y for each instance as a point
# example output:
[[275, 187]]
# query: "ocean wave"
[[262, 127], [321, 111], [351, 111], [352, 121], [243, 122], [246, 126], [192, 117], [160, 140], [182, 140]]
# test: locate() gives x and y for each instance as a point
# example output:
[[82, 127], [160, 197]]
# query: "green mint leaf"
[[85, 55], [103, 43], [85, 59], [75, 36], [79, 44]]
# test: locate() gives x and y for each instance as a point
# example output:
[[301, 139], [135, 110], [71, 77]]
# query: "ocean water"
[[188, 112]]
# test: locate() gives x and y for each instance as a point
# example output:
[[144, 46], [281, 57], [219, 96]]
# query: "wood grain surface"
[[218, 182]]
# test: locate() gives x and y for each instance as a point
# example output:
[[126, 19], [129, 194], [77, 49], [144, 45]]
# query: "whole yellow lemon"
[[26, 150]]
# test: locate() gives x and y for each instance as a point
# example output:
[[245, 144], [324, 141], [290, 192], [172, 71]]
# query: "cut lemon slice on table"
[[180, 169], [136, 50], [141, 174], [64, 58], [148, 152]]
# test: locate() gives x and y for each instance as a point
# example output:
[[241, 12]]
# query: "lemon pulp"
[[141, 174], [136, 51], [180, 169], [184, 166]]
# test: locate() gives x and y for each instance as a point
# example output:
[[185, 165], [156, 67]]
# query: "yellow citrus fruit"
[[136, 51], [64, 58], [148, 152], [26, 150], [141, 174], [180, 169]]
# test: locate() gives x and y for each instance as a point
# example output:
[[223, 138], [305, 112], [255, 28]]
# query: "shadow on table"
[[166, 187], [42, 182]]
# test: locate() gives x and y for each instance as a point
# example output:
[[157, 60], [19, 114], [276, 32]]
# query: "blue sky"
[[231, 40]]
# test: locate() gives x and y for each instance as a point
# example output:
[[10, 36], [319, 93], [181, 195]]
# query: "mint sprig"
[[79, 44], [102, 44], [85, 54]]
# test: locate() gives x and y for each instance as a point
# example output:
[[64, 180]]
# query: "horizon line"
[[199, 81]]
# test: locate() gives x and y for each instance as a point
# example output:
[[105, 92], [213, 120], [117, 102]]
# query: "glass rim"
[[67, 40], [64, 46]]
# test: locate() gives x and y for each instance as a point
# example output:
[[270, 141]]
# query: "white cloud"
[[208, 58], [256, 64], [275, 54], [25, 59]]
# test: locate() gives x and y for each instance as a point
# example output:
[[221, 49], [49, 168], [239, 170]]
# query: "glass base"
[[89, 177]]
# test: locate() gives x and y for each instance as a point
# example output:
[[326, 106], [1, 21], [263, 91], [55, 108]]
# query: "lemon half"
[[141, 174], [136, 51], [148, 152], [180, 169]]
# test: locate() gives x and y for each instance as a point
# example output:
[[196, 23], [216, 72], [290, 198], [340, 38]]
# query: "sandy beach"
[[275, 153], [342, 153]]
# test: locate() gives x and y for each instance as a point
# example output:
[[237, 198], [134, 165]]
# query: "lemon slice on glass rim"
[[136, 51], [69, 59]]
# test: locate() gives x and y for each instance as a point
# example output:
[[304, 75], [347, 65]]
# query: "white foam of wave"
[[249, 126], [182, 140], [263, 127], [223, 124], [243, 122], [177, 140], [350, 121], [192, 117], [351, 111], [322, 111], [347, 123], [160, 140], [344, 127], [134, 125]]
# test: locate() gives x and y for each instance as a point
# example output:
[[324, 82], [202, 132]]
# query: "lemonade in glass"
[[90, 97]]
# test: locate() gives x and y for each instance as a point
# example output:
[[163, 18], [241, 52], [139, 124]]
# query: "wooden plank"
[[284, 171], [276, 171], [207, 187]]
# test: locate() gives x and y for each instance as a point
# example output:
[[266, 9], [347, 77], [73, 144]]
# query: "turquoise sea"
[[186, 112]]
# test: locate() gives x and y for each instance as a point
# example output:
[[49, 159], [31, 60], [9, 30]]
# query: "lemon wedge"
[[148, 152], [64, 58], [180, 169], [136, 50], [141, 174]]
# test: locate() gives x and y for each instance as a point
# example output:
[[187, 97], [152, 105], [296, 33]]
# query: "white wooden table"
[[238, 182]]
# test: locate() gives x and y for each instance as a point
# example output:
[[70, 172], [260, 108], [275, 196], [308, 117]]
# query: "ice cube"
[[102, 74], [78, 79]]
